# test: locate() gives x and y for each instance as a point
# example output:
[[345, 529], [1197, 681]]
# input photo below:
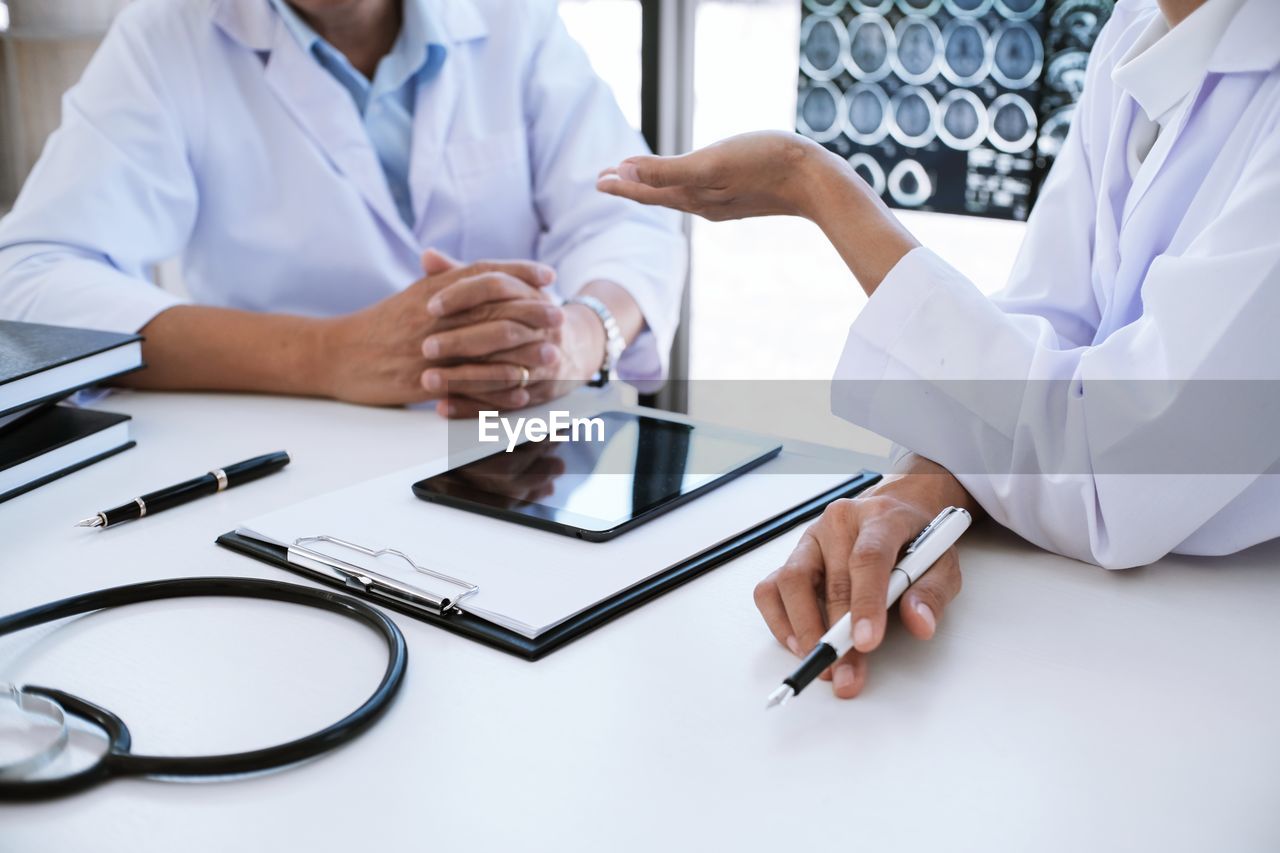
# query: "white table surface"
[[1061, 707]]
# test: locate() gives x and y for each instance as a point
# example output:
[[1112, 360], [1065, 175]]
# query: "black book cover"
[[50, 430], [27, 349]]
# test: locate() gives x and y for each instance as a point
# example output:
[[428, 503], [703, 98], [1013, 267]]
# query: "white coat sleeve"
[[1081, 448], [112, 194], [576, 129]]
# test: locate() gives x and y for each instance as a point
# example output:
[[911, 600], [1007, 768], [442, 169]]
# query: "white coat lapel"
[[328, 115], [433, 112], [1155, 161], [1117, 182], [437, 102]]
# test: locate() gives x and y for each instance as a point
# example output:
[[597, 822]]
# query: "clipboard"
[[438, 606]]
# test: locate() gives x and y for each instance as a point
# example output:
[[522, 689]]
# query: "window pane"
[[609, 31]]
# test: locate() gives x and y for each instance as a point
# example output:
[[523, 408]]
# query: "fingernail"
[[628, 172], [794, 645], [436, 306], [555, 316], [843, 677], [431, 348], [433, 381], [863, 631], [520, 399], [445, 410], [547, 354], [926, 614], [607, 177], [546, 275]]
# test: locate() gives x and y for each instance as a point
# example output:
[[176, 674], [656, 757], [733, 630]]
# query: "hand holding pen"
[[842, 567]]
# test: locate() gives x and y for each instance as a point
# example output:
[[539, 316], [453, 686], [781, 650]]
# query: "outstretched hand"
[[773, 173], [755, 174]]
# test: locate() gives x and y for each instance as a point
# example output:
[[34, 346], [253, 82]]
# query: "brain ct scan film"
[[957, 106]]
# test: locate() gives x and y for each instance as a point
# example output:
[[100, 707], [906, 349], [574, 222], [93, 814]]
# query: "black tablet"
[[597, 478]]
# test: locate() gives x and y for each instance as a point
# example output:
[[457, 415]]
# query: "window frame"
[[666, 121]]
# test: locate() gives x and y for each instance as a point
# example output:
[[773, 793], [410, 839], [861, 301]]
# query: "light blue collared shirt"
[[386, 103]]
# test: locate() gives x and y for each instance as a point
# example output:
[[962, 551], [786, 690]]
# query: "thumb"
[[656, 171], [435, 262]]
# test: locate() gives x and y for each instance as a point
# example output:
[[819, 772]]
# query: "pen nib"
[[780, 696], [95, 521]]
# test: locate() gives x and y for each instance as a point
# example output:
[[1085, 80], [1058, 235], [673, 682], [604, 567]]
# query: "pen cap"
[[252, 469]]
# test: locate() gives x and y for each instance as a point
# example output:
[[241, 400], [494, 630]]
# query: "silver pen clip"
[[930, 527], [375, 584]]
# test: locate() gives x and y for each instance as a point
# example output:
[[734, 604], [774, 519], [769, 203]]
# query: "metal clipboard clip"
[[374, 584]]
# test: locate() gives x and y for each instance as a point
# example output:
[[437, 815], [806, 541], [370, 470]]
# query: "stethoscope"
[[53, 707]]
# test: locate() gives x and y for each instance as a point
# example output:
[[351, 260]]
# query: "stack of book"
[[41, 438]]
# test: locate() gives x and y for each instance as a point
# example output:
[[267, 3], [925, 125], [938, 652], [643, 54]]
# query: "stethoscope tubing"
[[119, 761]]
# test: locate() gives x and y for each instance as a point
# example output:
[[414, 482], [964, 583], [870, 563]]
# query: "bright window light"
[[609, 31]]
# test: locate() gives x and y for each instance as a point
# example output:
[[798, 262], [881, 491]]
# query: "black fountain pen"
[[215, 481]]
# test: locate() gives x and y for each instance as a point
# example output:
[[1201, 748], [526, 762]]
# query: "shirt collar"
[[298, 28], [1166, 65], [252, 23], [419, 47]]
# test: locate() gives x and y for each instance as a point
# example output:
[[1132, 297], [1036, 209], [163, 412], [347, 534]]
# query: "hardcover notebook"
[[20, 414], [56, 442], [40, 363], [520, 589]]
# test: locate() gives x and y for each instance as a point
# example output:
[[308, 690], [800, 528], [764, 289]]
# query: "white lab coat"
[[1173, 274], [202, 128]]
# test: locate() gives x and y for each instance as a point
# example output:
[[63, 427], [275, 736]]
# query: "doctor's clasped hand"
[[501, 342], [376, 355], [391, 352]]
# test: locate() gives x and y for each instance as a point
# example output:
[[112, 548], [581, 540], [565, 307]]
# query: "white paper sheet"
[[531, 580]]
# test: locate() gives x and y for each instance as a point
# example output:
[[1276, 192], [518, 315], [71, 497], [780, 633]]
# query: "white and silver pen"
[[930, 544]]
